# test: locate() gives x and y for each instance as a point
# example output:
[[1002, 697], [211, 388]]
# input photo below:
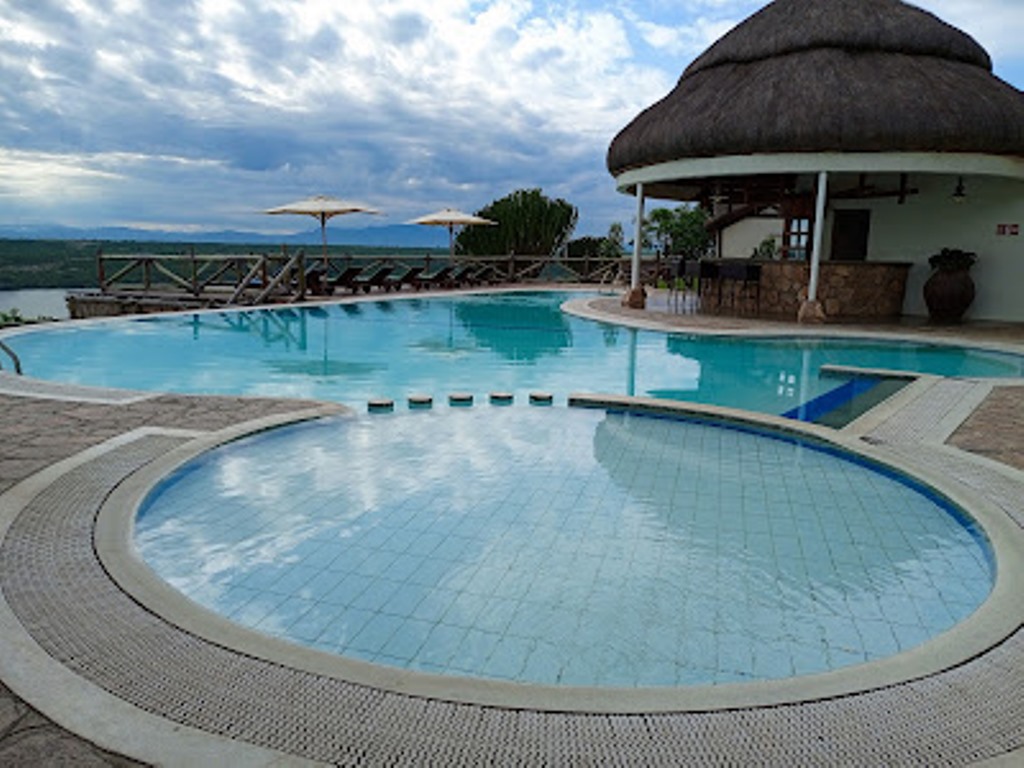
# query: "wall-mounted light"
[[959, 195]]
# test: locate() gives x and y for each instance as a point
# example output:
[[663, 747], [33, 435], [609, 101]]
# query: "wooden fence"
[[138, 283]]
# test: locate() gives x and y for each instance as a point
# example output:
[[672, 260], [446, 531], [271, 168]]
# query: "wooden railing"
[[263, 278], [225, 279]]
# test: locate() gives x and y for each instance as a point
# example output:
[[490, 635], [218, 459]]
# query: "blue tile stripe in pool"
[[817, 407], [564, 547]]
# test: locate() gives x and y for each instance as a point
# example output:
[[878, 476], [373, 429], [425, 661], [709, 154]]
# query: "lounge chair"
[[395, 282], [434, 279], [367, 282], [460, 276], [316, 284], [484, 275], [345, 279]]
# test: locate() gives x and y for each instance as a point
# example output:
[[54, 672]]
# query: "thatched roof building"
[[825, 76]]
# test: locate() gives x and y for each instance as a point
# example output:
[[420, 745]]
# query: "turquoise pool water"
[[565, 546], [515, 342]]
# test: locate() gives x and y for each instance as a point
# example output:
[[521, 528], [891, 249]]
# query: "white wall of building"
[[924, 224], [740, 239], [932, 220]]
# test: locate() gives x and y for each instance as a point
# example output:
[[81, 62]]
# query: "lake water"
[[36, 302]]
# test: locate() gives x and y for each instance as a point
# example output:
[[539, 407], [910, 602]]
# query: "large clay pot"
[[948, 293]]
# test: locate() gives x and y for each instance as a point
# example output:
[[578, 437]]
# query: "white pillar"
[[631, 380], [819, 229], [634, 277]]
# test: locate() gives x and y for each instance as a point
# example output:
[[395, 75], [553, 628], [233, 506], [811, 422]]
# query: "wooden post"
[[101, 273]]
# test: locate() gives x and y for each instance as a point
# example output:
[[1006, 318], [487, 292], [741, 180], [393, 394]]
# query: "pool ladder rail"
[[13, 356]]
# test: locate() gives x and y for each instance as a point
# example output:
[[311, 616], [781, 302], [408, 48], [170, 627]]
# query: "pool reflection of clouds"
[[614, 523], [516, 342]]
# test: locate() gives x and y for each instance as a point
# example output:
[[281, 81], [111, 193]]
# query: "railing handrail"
[[13, 356], [257, 277]]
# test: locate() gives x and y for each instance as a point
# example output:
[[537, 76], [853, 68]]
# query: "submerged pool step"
[[456, 400], [841, 405]]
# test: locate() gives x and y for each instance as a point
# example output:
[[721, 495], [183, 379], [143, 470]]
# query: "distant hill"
[[391, 235]]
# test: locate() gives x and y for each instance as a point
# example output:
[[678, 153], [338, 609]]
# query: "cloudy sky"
[[194, 115]]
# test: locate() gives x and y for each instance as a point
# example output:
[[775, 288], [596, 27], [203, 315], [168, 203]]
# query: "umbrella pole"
[[451, 243], [323, 240]]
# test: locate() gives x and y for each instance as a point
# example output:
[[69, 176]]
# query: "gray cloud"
[[201, 114], [407, 28]]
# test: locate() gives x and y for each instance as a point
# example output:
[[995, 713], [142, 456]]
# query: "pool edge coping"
[[582, 307], [984, 629], [82, 706]]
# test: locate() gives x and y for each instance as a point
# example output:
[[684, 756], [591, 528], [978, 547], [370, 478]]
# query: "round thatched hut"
[[855, 131]]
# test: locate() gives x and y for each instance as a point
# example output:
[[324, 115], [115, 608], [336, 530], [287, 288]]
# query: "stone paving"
[[29, 739], [996, 428], [36, 433]]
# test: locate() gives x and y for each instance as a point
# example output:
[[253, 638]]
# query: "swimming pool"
[[566, 547], [516, 342]]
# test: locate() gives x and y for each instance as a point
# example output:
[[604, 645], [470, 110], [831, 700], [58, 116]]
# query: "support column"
[[812, 311], [635, 298]]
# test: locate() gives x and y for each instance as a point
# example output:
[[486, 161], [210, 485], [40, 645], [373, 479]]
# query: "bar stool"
[[743, 282]]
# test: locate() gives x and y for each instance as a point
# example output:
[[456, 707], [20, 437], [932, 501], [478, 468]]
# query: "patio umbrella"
[[322, 207], [451, 218]]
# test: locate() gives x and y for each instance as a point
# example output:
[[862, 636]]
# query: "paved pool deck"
[[92, 676]]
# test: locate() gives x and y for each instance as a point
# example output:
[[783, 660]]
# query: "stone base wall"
[[99, 305], [847, 290], [866, 291]]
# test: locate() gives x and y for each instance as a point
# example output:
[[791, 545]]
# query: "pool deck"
[[90, 676]]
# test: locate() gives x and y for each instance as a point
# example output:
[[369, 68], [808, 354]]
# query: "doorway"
[[850, 230]]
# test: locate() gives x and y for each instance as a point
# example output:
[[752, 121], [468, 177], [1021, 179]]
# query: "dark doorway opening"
[[850, 230]]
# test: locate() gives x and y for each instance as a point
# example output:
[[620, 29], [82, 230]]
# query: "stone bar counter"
[[848, 290]]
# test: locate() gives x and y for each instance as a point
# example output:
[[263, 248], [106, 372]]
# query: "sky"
[[195, 115]]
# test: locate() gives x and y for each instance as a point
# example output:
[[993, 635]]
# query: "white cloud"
[[37, 175], [995, 24], [408, 105]]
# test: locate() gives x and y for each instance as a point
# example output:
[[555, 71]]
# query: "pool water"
[[565, 546], [514, 342]]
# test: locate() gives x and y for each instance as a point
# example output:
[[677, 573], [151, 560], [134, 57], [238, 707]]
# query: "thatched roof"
[[831, 76]]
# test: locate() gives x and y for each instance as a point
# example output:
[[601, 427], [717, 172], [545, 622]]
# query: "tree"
[[529, 224], [585, 247], [679, 231], [659, 228], [614, 242]]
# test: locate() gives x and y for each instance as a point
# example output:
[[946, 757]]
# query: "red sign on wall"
[[1008, 229]]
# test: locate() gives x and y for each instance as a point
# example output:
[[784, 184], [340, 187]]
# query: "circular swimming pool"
[[566, 547]]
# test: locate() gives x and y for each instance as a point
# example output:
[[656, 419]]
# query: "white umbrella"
[[451, 218], [322, 207]]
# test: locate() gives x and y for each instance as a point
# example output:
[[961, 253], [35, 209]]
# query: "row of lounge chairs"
[[387, 278]]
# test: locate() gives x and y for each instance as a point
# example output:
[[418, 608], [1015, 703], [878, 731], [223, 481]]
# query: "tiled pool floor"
[[564, 546]]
